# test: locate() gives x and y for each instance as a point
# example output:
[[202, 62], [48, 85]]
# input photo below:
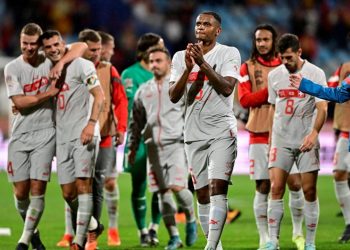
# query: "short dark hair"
[[48, 34], [213, 14], [144, 43], [32, 29], [89, 35], [287, 41], [158, 49], [105, 37], [255, 54]]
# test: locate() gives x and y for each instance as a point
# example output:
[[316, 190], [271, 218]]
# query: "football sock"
[[296, 205]]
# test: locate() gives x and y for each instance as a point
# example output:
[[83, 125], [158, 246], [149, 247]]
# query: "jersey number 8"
[[289, 107]]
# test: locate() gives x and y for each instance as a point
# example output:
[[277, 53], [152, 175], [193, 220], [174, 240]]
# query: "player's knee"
[[340, 175], [203, 195], [21, 195], [277, 190], [310, 193], [69, 195], [263, 186], [110, 184], [176, 188], [294, 182], [217, 186]]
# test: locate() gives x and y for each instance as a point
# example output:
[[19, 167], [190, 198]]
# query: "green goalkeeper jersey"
[[132, 78]]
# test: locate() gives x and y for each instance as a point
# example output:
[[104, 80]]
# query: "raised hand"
[[196, 52], [188, 58], [295, 80]]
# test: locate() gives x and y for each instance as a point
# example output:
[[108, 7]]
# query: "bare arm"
[[88, 132], [76, 50], [177, 89], [28, 101], [310, 139]]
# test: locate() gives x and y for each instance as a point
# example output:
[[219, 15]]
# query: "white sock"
[[342, 192], [185, 200], [167, 207], [203, 215], [35, 210], [275, 215], [83, 217], [112, 200], [68, 220], [296, 206], [217, 219], [260, 212], [22, 207], [312, 212]]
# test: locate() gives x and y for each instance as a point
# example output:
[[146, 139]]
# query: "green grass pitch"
[[241, 234]]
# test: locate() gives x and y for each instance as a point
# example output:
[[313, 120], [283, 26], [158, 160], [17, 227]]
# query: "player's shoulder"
[[129, 71], [310, 67], [179, 54], [15, 63], [277, 71], [82, 63], [144, 88], [104, 64], [222, 48]]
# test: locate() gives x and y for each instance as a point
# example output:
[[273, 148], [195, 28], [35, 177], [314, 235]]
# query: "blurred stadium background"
[[322, 25]]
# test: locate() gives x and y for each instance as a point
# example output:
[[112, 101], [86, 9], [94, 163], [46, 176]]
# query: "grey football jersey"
[[208, 113], [21, 78], [73, 101], [294, 110], [160, 120]]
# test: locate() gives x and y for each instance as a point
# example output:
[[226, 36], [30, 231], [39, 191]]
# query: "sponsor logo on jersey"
[[36, 85], [128, 83], [197, 76], [287, 93]]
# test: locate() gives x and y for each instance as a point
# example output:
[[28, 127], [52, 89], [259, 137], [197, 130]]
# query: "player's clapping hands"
[[188, 58], [196, 52], [295, 80]]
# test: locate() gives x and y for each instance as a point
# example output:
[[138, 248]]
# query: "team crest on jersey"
[[128, 83], [91, 80]]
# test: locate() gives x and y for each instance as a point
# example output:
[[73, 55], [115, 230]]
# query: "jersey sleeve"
[[137, 122], [271, 91], [177, 66], [89, 76], [340, 94], [247, 98], [333, 81], [12, 82], [231, 63], [322, 80], [119, 100]]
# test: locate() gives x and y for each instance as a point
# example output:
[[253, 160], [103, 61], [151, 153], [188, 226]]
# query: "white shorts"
[[284, 158], [30, 155], [75, 160], [342, 149], [258, 159], [211, 159], [166, 166]]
